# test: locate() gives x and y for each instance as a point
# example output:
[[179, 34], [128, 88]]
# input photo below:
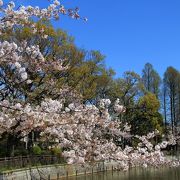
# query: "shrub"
[[20, 152], [37, 150], [56, 151]]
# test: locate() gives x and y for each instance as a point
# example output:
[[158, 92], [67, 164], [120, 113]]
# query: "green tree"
[[84, 76], [171, 96], [86, 73], [128, 89], [151, 79], [146, 115], [56, 47]]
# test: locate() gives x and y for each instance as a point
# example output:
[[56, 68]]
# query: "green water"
[[135, 174]]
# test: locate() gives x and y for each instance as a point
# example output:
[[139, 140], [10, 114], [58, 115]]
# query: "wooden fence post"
[[21, 161], [85, 172], [57, 176]]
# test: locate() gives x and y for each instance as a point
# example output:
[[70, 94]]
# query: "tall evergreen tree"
[[151, 79], [171, 96]]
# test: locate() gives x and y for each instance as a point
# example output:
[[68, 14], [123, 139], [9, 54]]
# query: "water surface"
[[134, 174]]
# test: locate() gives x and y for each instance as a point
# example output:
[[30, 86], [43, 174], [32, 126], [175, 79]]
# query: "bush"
[[20, 152], [56, 151], [37, 150], [46, 152]]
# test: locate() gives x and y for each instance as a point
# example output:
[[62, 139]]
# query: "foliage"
[[36, 150], [147, 117], [171, 92], [151, 79], [56, 151]]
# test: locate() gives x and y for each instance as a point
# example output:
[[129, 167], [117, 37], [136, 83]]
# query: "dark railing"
[[28, 161]]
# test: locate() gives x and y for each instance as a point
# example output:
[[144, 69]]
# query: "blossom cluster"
[[22, 14], [78, 123], [83, 132], [21, 58]]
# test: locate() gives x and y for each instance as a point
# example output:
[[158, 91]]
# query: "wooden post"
[[5, 164], [112, 170], [92, 172], [76, 172], [21, 161], [57, 176], [67, 174], [49, 177]]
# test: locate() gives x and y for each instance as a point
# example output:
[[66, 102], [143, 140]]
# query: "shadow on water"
[[134, 174]]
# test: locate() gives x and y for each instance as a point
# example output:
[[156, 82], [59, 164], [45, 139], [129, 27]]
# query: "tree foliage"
[[151, 79], [147, 117]]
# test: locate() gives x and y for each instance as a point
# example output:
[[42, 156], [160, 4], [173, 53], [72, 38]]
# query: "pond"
[[134, 174]]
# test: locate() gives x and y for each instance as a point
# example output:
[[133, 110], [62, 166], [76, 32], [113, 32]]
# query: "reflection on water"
[[135, 174]]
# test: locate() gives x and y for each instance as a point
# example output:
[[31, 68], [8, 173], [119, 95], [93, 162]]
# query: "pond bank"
[[56, 171], [95, 171]]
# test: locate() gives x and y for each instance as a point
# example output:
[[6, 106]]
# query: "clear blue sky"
[[129, 32]]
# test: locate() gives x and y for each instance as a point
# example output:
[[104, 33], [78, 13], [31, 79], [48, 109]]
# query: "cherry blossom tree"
[[85, 132]]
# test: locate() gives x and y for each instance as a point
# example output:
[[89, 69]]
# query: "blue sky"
[[129, 32]]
